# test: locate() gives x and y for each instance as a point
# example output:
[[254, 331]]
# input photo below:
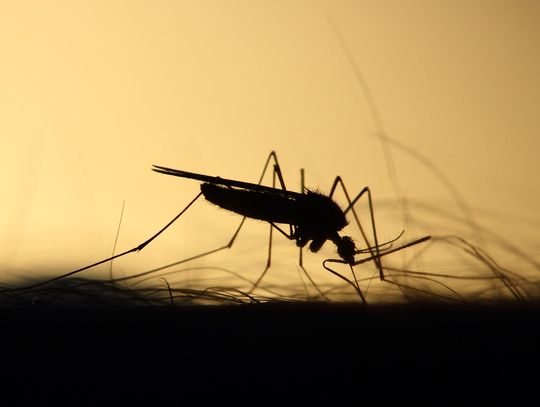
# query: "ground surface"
[[255, 352]]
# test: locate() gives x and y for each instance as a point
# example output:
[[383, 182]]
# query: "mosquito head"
[[345, 248]]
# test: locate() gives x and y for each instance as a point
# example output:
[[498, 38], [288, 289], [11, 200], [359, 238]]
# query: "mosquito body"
[[312, 216]]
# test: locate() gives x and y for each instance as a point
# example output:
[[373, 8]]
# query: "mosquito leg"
[[135, 249], [353, 284], [375, 254], [291, 237], [271, 156], [373, 250], [277, 174], [268, 264], [276, 170], [229, 244], [300, 249]]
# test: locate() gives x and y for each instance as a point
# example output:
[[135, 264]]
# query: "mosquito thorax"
[[321, 213]]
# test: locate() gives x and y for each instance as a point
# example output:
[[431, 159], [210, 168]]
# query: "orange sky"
[[94, 93]]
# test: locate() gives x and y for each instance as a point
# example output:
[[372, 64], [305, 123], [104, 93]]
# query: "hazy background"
[[92, 93]]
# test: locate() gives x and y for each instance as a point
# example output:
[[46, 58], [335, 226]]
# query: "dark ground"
[[266, 352]]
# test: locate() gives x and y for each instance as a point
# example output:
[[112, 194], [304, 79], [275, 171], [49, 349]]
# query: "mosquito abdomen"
[[316, 215], [266, 206]]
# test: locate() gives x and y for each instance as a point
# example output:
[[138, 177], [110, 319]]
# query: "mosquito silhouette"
[[311, 216]]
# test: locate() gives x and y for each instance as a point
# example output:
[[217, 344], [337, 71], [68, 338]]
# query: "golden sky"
[[92, 93]]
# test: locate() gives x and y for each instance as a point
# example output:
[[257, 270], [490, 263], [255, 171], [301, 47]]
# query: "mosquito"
[[311, 217]]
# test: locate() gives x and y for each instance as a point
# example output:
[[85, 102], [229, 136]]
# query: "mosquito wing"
[[222, 181]]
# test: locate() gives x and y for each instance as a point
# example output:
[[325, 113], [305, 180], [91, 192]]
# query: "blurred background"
[[434, 105]]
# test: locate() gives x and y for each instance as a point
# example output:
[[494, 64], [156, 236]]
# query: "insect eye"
[[346, 249]]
